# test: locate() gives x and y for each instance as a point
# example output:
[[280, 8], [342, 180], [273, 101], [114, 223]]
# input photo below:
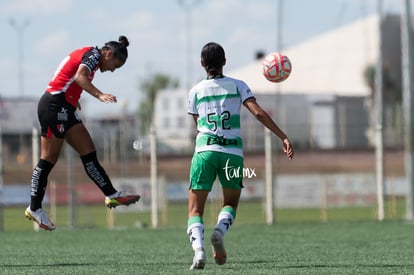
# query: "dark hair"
[[119, 48], [213, 57]]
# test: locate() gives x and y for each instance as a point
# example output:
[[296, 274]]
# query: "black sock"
[[39, 183], [97, 173]]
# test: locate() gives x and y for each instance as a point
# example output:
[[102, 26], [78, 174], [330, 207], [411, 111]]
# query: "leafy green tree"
[[391, 88], [150, 87]]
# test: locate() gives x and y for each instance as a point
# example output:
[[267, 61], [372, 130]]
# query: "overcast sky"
[[157, 31]]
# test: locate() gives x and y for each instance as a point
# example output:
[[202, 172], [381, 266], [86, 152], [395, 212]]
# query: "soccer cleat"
[[120, 199], [40, 217], [199, 260], [219, 253]]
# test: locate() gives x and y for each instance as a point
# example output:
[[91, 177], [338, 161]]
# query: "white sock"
[[195, 232], [225, 220]]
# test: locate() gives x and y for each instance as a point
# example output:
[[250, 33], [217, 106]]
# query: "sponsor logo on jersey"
[[221, 141]]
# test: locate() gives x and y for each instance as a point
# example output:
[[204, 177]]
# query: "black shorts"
[[56, 115]]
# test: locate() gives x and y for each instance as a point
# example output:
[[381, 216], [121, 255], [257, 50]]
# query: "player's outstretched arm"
[[268, 122]]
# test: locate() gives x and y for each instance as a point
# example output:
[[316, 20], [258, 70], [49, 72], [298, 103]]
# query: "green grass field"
[[299, 248], [351, 242], [249, 213]]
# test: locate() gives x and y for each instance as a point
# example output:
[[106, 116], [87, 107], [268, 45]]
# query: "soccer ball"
[[276, 67]]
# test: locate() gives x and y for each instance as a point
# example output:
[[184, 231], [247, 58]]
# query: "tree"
[[391, 89], [392, 100], [150, 87]]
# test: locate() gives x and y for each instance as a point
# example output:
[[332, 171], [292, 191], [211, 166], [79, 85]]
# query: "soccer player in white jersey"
[[215, 105]]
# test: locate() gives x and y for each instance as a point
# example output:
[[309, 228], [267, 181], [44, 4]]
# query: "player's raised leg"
[[78, 137], [225, 219]]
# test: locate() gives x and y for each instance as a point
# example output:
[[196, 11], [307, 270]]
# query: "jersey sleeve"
[[191, 107], [91, 59], [245, 92]]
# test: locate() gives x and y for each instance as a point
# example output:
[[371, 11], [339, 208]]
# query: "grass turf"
[[297, 248], [96, 216]]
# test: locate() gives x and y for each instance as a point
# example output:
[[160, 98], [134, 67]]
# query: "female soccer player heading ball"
[[215, 104], [59, 122]]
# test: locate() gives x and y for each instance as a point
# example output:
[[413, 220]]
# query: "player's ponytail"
[[119, 48]]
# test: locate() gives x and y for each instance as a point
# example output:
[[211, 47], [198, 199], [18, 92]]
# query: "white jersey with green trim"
[[217, 102]]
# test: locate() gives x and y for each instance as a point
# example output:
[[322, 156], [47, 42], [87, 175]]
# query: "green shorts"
[[207, 165]]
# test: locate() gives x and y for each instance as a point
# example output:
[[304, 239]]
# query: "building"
[[18, 118], [174, 127]]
